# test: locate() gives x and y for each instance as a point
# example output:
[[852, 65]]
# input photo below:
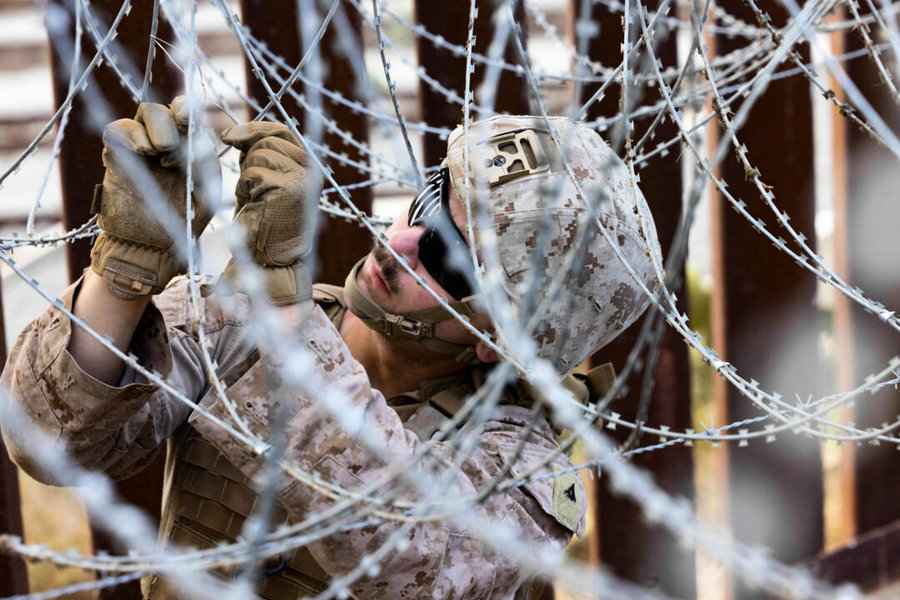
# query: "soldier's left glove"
[[271, 208]]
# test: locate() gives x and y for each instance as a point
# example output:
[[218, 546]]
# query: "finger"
[[255, 182], [180, 111], [128, 134], [159, 124], [276, 144], [245, 135], [270, 159]]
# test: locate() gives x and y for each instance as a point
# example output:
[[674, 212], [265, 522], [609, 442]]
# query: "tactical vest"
[[208, 500]]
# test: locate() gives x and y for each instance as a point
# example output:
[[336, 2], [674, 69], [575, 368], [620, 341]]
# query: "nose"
[[405, 242]]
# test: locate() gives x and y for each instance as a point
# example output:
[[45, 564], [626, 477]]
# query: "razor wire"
[[727, 79]]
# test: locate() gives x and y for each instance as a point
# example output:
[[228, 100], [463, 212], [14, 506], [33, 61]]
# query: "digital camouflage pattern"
[[517, 177], [120, 429]]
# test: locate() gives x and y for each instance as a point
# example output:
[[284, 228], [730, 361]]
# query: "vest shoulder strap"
[[324, 293], [331, 299]]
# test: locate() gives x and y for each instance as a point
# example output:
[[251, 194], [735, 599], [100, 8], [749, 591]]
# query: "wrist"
[[132, 271], [285, 286], [96, 288], [291, 285]]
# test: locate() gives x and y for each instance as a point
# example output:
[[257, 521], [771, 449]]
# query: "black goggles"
[[442, 248]]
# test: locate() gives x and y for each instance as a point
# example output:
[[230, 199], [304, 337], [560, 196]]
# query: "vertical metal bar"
[[81, 168], [13, 574], [871, 215], [340, 243], [840, 460], [770, 319], [630, 546], [79, 161], [451, 21], [715, 581]]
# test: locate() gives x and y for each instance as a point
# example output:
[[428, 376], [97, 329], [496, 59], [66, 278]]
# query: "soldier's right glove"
[[144, 186], [271, 208]]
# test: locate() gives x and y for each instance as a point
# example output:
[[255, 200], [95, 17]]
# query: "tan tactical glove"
[[144, 187], [271, 208]]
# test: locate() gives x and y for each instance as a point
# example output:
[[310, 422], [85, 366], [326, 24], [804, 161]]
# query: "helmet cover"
[[544, 226]]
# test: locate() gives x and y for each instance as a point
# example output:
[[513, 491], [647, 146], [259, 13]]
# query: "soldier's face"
[[393, 288]]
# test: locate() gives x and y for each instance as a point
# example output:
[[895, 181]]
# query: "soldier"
[[401, 363]]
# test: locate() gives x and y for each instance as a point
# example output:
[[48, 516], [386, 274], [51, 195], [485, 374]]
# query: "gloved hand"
[[144, 187], [271, 208]]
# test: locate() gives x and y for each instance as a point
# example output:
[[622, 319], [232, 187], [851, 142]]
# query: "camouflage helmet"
[[542, 225]]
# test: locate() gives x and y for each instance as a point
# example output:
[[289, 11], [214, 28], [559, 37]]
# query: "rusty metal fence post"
[[81, 169], [450, 20], [629, 546], [341, 243], [766, 310], [13, 574], [871, 216], [79, 161], [840, 462]]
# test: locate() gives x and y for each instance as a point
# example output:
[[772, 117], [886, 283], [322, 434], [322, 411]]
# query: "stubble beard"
[[389, 267]]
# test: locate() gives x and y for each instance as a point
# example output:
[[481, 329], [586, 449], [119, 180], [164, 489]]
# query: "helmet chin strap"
[[416, 327]]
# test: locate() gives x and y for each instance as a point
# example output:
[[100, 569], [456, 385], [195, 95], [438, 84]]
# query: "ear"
[[484, 353]]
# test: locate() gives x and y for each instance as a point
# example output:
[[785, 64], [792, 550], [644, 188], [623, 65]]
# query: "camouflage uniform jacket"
[[120, 429]]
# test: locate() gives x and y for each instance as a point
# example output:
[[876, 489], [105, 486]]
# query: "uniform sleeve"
[[439, 559], [115, 429]]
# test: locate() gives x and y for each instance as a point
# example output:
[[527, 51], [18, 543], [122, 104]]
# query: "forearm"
[[84, 415], [111, 317]]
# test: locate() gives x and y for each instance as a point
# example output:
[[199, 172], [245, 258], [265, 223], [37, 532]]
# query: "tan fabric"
[[544, 229], [135, 254], [208, 504], [271, 209], [119, 429]]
